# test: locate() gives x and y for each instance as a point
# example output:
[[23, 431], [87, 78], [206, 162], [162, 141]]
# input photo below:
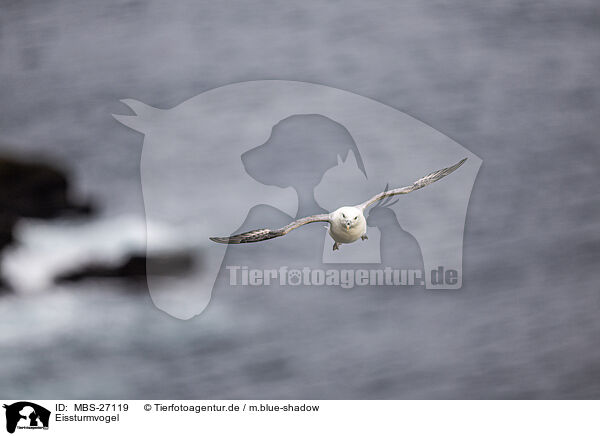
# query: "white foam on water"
[[45, 250]]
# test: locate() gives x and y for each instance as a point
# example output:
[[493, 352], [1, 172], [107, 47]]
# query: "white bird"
[[346, 224]]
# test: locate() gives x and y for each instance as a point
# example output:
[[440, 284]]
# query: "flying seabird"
[[346, 224]]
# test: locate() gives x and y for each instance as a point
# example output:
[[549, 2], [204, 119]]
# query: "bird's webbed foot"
[[336, 246]]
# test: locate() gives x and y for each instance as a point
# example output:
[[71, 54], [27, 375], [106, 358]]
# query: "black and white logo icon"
[[26, 415]]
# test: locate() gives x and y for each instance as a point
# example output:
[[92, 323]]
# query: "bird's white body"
[[347, 225]]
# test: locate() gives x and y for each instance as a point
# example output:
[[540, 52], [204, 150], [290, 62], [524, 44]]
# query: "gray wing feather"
[[264, 234], [422, 182]]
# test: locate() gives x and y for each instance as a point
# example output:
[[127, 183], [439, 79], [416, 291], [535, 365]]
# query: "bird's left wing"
[[422, 182], [264, 234]]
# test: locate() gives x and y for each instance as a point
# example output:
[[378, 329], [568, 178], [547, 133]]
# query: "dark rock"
[[133, 268], [32, 190], [35, 190], [4, 288], [7, 223]]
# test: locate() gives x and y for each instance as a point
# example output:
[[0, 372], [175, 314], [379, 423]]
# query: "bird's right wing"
[[264, 234], [418, 184]]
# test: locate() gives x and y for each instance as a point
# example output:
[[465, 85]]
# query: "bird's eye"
[[344, 216], [355, 217]]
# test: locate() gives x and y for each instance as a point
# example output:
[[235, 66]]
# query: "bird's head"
[[348, 216]]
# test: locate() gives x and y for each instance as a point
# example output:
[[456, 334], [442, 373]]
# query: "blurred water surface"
[[516, 82]]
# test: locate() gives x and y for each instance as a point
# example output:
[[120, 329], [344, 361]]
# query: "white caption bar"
[[301, 417]]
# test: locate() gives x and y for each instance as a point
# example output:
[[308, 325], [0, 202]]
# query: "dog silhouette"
[[300, 150]]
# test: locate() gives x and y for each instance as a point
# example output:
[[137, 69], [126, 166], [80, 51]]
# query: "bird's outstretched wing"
[[424, 181], [264, 234]]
